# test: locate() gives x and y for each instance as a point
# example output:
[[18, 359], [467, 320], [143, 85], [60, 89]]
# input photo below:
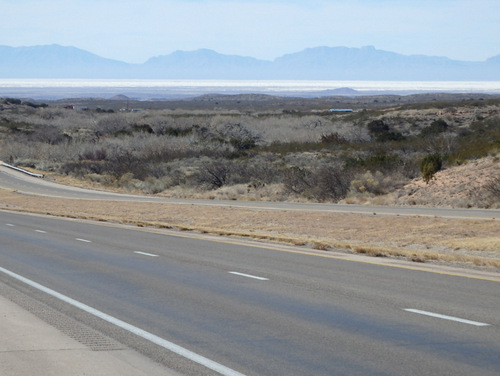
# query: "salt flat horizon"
[[144, 89]]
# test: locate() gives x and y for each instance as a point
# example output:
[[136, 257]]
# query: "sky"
[[136, 30]]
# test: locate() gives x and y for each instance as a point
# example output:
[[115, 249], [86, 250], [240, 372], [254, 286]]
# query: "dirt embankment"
[[469, 185]]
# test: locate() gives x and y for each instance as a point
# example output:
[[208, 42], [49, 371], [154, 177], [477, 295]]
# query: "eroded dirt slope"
[[467, 185]]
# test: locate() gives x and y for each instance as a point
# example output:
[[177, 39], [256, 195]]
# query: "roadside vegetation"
[[254, 151]]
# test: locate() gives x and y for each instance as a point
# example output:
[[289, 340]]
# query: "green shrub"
[[379, 160], [377, 127], [429, 165], [382, 132], [480, 140], [332, 138], [436, 127], [12, 101], [242, 143], [36, 105], [390, 136]]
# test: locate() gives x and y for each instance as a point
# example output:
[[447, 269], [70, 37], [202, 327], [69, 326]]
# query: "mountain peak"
[[315, 63]]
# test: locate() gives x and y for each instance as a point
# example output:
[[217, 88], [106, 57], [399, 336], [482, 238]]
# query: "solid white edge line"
[[445, 317], [145, 254], [223, 370], [83, 240], [249, 276]]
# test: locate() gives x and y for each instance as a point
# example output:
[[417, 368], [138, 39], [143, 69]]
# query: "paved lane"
[[13, 180], [262, 311]]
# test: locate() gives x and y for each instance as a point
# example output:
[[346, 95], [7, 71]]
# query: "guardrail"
[[21, 170]]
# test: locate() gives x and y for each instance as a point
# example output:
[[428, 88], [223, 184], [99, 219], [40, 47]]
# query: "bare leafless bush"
[[297, 180], [264, 168], [493, 187], [489, 194], [114, 124], [99, 154], [213, 174], [289, 128], [124, 161], [254, 172], [331, 183], [48, 134], [153, 185], [239, 136], [327, 183], [83, 167]]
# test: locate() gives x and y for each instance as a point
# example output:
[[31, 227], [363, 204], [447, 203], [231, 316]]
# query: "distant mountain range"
[[319, 63]]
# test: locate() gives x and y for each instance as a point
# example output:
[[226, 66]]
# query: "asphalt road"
[[13, 180], [258, 310]]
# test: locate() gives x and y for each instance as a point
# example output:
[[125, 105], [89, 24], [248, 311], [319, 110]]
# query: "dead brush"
[[320, 246], [370, 251]]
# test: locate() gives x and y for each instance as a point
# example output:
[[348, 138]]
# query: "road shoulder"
[[31, 346]]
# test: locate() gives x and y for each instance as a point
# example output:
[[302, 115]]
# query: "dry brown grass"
[[420, 239]]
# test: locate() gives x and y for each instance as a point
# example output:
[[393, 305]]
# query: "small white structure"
[[341, 109]]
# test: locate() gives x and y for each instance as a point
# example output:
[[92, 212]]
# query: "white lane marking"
[[432, 314], [145, 254], [10, 225], [217, 367], [83, 240], [249, 276], [41, 231]]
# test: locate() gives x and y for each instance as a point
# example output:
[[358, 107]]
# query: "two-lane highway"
[[260, 310]]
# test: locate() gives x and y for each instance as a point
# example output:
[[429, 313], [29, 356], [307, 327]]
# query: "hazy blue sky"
[[135, 30]]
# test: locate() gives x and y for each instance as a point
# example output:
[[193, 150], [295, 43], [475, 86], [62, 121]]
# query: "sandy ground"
[[460, 186]]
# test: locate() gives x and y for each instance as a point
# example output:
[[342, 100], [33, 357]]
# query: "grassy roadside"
[[419, 239]]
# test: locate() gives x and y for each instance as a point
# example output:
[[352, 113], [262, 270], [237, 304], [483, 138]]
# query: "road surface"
[[254, 310]]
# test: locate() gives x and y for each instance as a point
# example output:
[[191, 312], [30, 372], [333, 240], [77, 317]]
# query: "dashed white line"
[[445, 317], [214, 366], [249, 276], [41, 231], [83, 240], [145, 254], [10, 225]]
